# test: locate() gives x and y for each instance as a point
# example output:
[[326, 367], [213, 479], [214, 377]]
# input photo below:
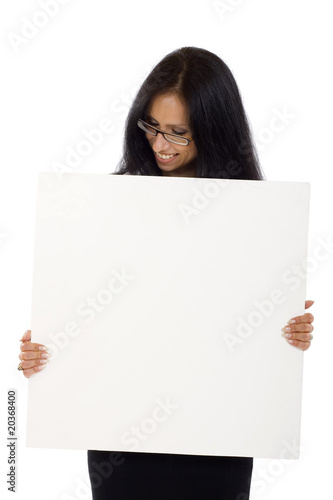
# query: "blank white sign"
[[162, 301]]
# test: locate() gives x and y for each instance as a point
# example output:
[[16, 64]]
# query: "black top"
[[159, 476]]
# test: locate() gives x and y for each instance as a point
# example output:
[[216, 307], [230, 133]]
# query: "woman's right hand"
[[33, 356]]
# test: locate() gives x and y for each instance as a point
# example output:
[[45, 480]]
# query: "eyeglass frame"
[[188, 139]]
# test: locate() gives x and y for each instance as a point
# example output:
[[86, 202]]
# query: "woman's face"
[[168, 113]]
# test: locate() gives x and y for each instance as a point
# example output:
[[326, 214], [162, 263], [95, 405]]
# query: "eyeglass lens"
[[168, 137]]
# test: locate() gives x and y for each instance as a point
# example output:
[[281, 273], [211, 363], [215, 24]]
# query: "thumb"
[[308, 303], [26, 337]]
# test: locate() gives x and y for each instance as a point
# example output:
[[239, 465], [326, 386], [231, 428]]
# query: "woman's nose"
[[160, 143]]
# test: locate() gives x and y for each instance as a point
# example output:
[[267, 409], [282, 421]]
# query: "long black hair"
[[206, 86]]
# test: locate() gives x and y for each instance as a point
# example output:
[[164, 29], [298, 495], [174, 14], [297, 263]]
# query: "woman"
[[186, 120]]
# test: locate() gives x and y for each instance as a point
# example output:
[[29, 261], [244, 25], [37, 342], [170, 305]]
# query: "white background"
[[85, 65]]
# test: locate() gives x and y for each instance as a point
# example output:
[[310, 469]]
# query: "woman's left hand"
[[300, 328]]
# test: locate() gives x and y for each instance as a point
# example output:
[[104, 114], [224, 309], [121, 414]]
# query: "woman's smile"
[[164, 158]]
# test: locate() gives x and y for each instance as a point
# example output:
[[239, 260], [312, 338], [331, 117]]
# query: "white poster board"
[[162, 301]]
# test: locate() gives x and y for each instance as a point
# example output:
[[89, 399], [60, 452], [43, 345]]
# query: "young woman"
[[186, 120]]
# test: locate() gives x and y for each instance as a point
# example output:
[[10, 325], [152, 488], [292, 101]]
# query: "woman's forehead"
[[168, 108]]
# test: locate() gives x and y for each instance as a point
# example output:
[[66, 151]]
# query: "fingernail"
[[291, 322], [41, 367], [290, 341], [43, 361], [44, 355], [43, 348], [286, 329], [288, 335]]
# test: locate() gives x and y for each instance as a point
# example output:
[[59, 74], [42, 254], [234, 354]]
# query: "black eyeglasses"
[[176, 139]]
